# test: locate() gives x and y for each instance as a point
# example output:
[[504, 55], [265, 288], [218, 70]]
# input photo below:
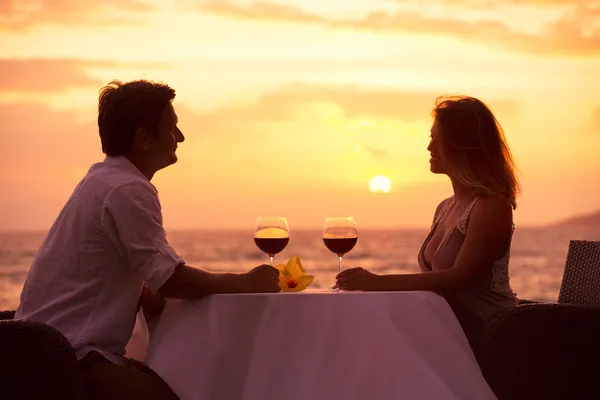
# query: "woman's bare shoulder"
[[493, 211], [440, 207], [493, 204]]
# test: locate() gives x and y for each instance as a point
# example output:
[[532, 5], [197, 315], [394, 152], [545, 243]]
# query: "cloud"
[[45, 75], [575, 32], [353, 101], [55, 75], [260, 10], [34, 134], [312, 107], [494, 4], [35, 137], [342, 130], [23, 14], [376, 152]]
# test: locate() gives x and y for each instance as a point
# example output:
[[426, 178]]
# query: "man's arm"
[[132, 220], [152, 303], [188, 282]]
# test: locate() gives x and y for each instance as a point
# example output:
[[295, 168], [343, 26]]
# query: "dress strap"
[[462, 222], [441, 210]]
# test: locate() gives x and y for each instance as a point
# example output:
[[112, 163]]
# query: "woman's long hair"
[[474, 145]]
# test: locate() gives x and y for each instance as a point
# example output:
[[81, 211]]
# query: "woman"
[[465, 256]]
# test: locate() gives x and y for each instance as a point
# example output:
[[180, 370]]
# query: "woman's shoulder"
[[440, 208], [490, 210], [493, 204], [444, 203]]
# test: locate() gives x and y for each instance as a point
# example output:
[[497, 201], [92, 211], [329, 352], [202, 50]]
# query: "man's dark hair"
[[125, 107]]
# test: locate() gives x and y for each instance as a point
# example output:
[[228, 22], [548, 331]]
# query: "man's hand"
[[152, 303], [262, 279]]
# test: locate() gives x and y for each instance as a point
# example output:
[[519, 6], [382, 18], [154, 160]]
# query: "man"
[[107, 247]]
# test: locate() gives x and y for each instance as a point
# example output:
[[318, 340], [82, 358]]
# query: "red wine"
[[340, 246], [271, 246]]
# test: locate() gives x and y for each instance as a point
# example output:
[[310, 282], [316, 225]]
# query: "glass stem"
[[271, 261], [340, 258]]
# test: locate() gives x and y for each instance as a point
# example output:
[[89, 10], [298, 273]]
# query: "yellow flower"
[[292, 277]]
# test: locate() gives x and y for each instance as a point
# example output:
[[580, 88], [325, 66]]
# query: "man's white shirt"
[[86, 279]]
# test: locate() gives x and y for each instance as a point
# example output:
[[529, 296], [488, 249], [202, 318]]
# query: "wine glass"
[[340, 236], [271, 235]]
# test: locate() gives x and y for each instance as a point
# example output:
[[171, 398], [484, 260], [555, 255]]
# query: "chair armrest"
[[526, 301], [37, 361], [8, 314], [542, 351]]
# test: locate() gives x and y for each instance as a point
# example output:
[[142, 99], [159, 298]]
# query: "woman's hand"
[[358, 279]]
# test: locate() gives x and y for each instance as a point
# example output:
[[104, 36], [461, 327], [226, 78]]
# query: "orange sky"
[[291, 107]]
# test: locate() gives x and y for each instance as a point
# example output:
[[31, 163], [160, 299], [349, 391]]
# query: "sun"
[[380, 184]]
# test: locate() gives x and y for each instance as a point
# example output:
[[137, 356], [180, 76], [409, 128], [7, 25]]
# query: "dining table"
[[315, 345]]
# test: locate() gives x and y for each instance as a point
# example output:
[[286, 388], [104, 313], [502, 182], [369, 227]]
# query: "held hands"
[[263, 278], [357, 279]]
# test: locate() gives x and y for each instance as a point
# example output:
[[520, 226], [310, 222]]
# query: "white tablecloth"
[[315, 345]]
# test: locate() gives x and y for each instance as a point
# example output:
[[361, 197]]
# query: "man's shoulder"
[[114, 178]]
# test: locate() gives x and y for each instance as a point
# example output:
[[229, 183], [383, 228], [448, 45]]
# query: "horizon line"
[[303, 229]]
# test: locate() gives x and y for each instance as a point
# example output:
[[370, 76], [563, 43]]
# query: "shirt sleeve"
[[132, 219]]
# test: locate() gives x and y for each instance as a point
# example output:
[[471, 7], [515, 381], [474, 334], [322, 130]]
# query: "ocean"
[[536, 266]]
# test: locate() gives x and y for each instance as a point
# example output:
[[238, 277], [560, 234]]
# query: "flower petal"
[[300, 283], [283, 272], [283, 285], [294, 267]]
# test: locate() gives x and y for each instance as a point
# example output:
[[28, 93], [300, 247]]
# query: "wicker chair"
[[549, 351], [581, 280], [37, 362]]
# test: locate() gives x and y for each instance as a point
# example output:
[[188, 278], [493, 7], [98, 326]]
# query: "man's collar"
[[123, 162]]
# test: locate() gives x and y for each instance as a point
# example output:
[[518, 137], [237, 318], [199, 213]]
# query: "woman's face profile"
[[437, 163]]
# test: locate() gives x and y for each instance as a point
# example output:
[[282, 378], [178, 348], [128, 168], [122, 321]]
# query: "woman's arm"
[[487, 240]]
